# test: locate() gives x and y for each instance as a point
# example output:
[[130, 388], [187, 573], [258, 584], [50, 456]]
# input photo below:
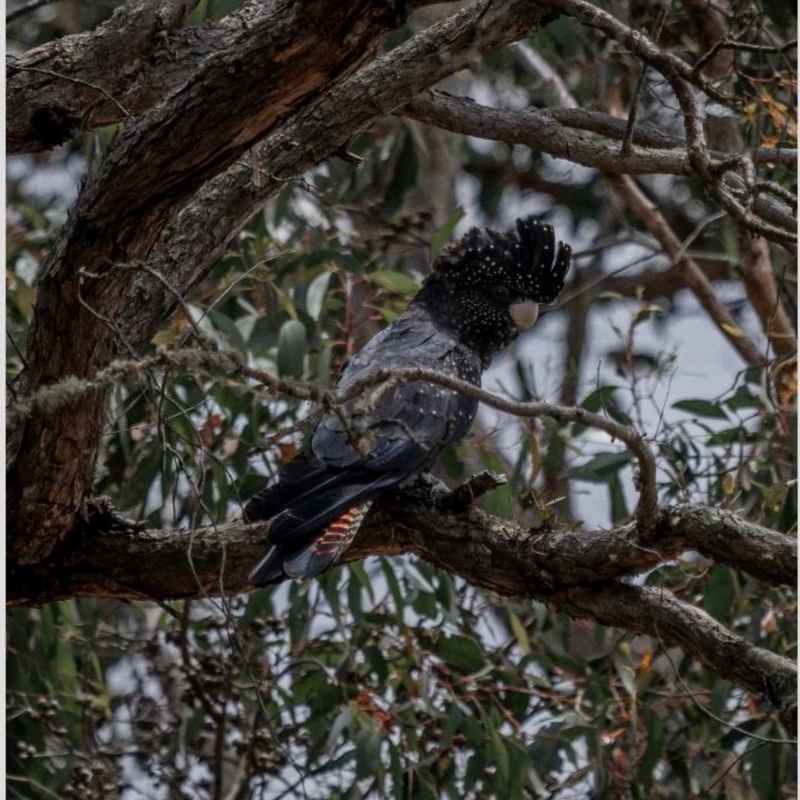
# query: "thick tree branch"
[[125, 67], [282, 54], [49, 400], [562, 133], [198, 234], [117, 559], [658, 613], [576, 572], [721, 536]]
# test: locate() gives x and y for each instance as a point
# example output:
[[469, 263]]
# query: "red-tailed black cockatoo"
[[483, 290]]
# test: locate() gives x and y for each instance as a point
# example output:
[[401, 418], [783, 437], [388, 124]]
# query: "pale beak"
[[524, 313]]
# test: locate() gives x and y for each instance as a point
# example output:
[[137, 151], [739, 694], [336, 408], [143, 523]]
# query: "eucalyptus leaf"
[[315, 295], [292, 346]]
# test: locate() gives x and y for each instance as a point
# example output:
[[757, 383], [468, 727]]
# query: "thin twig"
[[681, 77], [533, 62], [51, 397], [179, 297], [730, 44], [640, 45], [711, 714], [60, 76], [627, 140]]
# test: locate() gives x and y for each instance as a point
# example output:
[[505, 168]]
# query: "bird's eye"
[[501, 294]]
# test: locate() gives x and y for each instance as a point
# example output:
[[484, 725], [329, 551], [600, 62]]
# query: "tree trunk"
[[272, 75]]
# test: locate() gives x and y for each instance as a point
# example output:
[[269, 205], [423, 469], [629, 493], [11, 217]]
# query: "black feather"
[[455, 324]]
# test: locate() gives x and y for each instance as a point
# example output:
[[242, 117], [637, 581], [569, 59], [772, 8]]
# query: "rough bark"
[[272, 60], [584, 137], [134, 61], [111, 558], [98, 78], [758, 276], [197, 234]]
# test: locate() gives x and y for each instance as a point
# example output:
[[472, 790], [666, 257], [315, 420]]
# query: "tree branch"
[[647, 213], [575, 572], [561, 133], [135, 60], [131, 62], [733, 192], [658, 613], [758, 277], [50, 399], [198, 234], [281, 55]]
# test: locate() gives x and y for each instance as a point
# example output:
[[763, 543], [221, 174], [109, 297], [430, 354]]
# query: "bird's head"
[[487, 287]]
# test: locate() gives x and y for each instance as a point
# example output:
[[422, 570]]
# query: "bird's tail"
[[315, 554], [310, 531]]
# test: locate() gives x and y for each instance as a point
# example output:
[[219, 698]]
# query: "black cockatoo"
[[483, 290]]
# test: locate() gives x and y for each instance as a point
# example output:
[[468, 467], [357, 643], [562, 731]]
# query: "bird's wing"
[[399, 426]]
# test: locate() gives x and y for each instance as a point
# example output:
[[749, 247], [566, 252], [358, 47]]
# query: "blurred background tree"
[[202, 193]]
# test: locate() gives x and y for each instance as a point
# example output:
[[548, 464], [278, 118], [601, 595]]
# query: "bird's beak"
[[524, 313]]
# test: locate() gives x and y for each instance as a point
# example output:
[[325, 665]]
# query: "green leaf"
[[450, 724], [224, 324], [743, 398], [787, 519], [768, 767], [515, 697], [445, 233], [720, 592], [368, 753], [284, 301], [728, 436], [358, 572], [291, 348], [460, 653], [475, 768], [520, 634], [619, 506], [501, 759], [393, 280], [599, 398], [321, 366], [403, 173], [388, 568], [702, 408], [396, 770], [602, 466], [655, 746], [604, 401], [315, 295]]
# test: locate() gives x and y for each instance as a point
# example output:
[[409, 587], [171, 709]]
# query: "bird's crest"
[[525, 260]]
